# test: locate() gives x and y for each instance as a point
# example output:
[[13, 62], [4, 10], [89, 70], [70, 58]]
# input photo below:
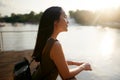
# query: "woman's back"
[[47, 69]]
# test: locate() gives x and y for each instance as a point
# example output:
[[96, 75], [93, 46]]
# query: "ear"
[[55, 23]]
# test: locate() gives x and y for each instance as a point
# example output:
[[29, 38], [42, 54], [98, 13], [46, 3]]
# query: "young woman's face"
[[62, 23]]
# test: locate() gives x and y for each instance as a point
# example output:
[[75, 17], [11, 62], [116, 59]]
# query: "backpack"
[[22, 70]]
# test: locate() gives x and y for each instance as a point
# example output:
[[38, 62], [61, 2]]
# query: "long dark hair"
[[46, 27]]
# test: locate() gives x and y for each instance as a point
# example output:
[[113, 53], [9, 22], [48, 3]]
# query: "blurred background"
[[93, 34]]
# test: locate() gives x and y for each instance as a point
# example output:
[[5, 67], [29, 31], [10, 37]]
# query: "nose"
[[66, 20]]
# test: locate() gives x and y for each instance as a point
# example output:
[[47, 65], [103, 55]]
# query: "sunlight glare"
[[107, 44]]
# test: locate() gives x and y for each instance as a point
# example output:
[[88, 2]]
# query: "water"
[[19, 36], [96, 45]]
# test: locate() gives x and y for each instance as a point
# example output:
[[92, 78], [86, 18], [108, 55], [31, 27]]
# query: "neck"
[[54, 35]]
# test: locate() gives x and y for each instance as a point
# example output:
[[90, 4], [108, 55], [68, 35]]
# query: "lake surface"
[[96, 45]]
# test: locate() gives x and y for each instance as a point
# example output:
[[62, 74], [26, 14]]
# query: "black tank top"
[[47, 69]]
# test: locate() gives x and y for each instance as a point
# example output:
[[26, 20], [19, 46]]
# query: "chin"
[[66, 30]]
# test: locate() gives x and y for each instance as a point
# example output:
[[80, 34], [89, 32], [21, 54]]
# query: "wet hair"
[[46, 27]]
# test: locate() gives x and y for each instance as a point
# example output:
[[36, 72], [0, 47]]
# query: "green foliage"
[[85, 17], [22, 18]]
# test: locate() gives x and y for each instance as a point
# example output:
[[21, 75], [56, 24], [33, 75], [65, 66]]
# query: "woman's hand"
[[86, 66]]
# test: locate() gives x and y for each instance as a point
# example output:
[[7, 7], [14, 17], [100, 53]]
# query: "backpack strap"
[[31, 61]]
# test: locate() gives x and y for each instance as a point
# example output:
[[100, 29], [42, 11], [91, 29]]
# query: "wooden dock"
[[8, 60]]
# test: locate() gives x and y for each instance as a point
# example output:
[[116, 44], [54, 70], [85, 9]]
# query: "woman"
[[48, 49]]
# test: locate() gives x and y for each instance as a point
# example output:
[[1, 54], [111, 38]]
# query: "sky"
[[25, 6]]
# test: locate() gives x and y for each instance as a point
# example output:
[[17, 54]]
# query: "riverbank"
[[8, 60]]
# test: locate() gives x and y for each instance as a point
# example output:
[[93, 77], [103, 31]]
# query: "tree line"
[[103, 17], [83, 17], [22, 18]]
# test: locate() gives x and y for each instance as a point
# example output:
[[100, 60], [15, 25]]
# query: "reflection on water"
[[98, 46], [108, 43]]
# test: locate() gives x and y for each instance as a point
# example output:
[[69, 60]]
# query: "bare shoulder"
[[56, 47], [56, 44]]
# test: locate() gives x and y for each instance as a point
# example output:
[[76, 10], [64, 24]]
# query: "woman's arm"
[[58, 57], [74, 63]]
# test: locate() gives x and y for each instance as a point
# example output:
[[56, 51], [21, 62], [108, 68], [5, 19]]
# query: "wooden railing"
[[2, 37]]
